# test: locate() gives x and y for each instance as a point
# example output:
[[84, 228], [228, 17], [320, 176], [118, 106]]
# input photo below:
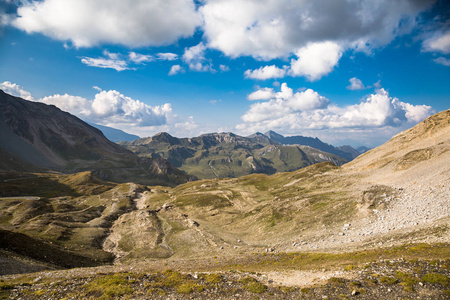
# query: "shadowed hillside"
[[35, 136]]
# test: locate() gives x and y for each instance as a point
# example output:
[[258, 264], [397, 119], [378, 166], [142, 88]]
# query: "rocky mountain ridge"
[[222, 155]]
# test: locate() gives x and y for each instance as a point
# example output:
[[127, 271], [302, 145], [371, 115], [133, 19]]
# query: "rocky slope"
[[221, 155], [45, 137]]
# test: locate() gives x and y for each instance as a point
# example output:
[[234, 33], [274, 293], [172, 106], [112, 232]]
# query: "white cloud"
[[105, 63], [175, 69], [138, 58], [15, 90], [195, 57], [440, 42], [132, 23], [307, 111], [117, 108], [266, 72], [377, 84], [316, 60], [111, 61], [224, 68], [111, 108], [270, 29], [167, 56], [442, 61], [355, 84], [282, 103], [76, 105], [262, 94]]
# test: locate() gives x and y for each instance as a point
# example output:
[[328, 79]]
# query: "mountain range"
[[220, 155], [346, 151]]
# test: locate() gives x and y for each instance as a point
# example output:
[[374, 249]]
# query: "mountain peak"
[[274, 136], [164, 137]]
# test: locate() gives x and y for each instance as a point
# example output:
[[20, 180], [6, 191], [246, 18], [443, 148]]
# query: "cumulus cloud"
[[111, 107], [15, 90], [266, 72], [271, 28], [440, 42], [355, 84], [117, 108], [132, 23], [313, 112], [262, 94], [195, 58], [316, 60], [76, 105], [175, 69], [283, 103]]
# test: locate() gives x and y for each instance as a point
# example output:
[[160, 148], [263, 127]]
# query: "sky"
[[351, 72]]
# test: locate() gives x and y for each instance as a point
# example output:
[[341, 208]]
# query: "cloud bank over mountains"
[[287, 111], [111, 108], [283, 111]]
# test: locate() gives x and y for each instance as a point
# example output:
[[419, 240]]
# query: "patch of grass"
[[40, 292], [406, 280], [172, 278], [187, 288], [355, 284], [336, 281], [156, 291], [247, 280], [304, 290], [256, 287], [388, 280], [214, 278], [436, 278], [109, 286]]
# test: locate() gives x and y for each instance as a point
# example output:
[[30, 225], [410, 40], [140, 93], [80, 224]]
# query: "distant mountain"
[[362, 149], [229, 155], [45, 137], [115, 135], [346, 152]]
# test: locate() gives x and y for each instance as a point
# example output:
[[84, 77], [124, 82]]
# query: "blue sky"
[[348, 72]]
